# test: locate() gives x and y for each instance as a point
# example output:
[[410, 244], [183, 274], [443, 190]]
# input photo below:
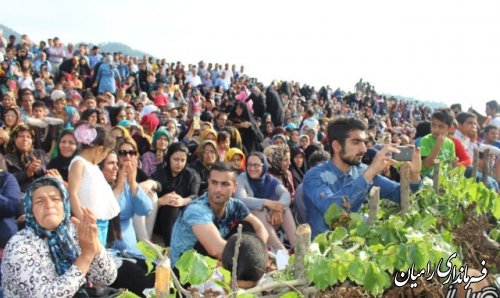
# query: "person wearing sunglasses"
[[128, 156], [127, 151], [267, 199]]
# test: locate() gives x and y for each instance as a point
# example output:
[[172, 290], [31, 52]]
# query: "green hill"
[[108, 47]]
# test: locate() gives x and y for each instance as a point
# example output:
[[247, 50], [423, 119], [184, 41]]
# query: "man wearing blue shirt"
[[207, 221], [345, 176]]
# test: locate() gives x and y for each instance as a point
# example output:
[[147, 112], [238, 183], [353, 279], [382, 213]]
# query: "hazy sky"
[[445, 51]]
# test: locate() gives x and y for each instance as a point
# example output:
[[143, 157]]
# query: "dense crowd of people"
[[140, 148]]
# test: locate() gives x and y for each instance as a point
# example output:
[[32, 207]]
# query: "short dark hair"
[[223, 167], [223, 136], [38, 104], [456, 106], [444, 115], [339, 129], [252, 258], [423, 129], [463, 116], [492, 104], [318, 157], [489, 127]]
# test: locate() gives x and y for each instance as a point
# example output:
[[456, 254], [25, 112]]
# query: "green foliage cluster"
[[371, 254]]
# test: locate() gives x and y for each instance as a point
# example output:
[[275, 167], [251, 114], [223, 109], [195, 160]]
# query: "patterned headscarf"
[[275, 154], [62, 247]]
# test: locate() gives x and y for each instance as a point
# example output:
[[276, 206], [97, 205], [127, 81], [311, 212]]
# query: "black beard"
[[348, 161]]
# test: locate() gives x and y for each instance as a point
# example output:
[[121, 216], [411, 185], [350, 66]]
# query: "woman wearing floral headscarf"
[[279, 162], [207, 156], [54, 255]]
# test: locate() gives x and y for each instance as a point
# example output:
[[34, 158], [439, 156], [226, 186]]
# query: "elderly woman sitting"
[[54, 256]]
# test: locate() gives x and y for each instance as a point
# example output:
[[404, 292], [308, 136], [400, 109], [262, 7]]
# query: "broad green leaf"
[[333, 214], [362, 229], [149, 253], [356, 239], [356, 219], [322, 241], [338, 235], [212, 263], [386, 262], [341, 270], [402, 261], [376, 281], [320, 272], [356, 271], [376, 247], [419, 255], [193, 268]]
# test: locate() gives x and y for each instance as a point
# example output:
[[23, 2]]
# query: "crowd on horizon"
[[147, 132]]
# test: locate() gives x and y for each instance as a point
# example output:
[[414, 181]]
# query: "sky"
[[445, 51]]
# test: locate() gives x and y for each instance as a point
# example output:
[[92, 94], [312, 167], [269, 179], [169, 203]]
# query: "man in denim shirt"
[[345, 176]]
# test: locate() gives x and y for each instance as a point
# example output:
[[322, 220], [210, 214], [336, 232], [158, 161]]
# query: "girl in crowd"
[[304, 142], [298, 167], [223, 144], [64, 153], [23, 161], [171, 126], [236, 158], [179, 186], [154, 159], [119, 132], [267, 198], [91, 116], [48, 248], [87, 186]]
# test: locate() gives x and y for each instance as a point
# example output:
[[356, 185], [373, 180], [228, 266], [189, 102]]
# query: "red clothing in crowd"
[[463, 157]]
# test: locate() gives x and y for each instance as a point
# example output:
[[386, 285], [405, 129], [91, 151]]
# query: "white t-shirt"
[[495, 121], [95, 193]]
